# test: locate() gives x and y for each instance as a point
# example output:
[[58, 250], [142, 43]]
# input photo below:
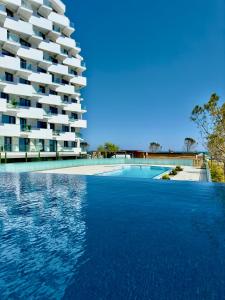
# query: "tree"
[[210, 119], [155, 147], [108, 148], [189, 144]]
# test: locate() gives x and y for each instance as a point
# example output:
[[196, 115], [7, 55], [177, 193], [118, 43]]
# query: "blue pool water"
[[138, 171], [69, 237]]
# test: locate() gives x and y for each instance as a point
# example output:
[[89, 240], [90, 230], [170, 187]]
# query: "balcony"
[[3, 105], [66, 42], [79, 80], [12, 130], [51, 100], [44, 24], [3, 13], [67, 89], [78, 123], [9, 63], [73, 107], [50, 47], [31, 113], [25, 10], [20, 89], [46, 8], [75, 62], [59, 69], [66, 136], [19, 26], [40, 78], [56, 119], [59, 20], [31, 54], [45, 134]]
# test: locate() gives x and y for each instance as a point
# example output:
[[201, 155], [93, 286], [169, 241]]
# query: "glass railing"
[[2, 77], [38, 33], [77, 44], [26, 66], [56, 80], [2, 7], [56, 132], [26, 4], [79, 135], [13, 37], [26, 128], [83, 64], [56, 28], [47, 3]]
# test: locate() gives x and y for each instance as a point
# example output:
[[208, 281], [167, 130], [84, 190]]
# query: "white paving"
[[188, 173]]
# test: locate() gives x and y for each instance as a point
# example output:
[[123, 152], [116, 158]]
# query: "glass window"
[[53, 110], [65, 128], [24, 81], [25, 102], [7, 53], [66, 144], [41, 125], [39, 105], [74, 145], [24, 43], [8, 77], [5, 96], [8, 119], [42, 89]]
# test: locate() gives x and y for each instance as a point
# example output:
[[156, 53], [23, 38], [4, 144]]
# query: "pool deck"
[[188, 173]]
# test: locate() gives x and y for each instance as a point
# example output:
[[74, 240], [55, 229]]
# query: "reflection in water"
[[42, 227]]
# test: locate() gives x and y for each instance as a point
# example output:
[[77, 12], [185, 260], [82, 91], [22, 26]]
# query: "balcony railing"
[[47, 3], [13, 37], [56, 28], [26, 4], [2, 8], [56, 132]]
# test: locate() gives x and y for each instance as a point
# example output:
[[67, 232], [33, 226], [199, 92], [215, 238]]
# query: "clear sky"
[[149, 62]]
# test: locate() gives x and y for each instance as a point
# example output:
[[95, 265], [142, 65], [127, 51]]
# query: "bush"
[[173, 172], [217, 173], [179, 169], [166, 177]]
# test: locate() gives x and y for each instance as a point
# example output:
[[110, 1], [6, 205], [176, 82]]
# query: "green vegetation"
[[217, 172], [173, 172], [166, 177], [179, 169], [108, 149], [210, 119]]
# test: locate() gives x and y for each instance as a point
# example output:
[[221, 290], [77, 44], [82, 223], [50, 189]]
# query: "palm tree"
[[108, 148]]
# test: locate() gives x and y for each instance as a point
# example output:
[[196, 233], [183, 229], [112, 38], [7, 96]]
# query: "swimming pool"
[[76, 237], [138, 171]]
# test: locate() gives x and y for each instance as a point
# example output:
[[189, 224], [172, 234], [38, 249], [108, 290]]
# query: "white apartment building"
[[41, 79]]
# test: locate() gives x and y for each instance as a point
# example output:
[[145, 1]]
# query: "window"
[[8, 77], [74, 144], [63, 112], [41, 125], [8, 119], [41, 70], [53, 110], [54, 60], [74, 100], [23, 63], [24, 81], [52, 126], [7, 53], [51, 92], [25, 102], [73, 129], [39, 105], [65, 81], [42, 89], [66, 144], [24, 145], [9, 13], [24, 43], [66, 98], [65, 128], [74, 116], [5, 96]]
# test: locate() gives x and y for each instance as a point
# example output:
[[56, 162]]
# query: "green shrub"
[[179, 169], [166, 177], [173, 172], [217, 173]]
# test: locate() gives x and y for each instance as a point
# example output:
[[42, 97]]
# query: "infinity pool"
[[138, 172], [81, 238]]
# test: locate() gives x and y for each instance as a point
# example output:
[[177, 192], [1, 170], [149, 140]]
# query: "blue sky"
[[149, 62]]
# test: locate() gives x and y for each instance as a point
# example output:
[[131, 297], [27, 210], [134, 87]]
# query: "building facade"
[[41, 78]]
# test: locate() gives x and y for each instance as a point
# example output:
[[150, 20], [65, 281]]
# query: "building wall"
[[41, 78]]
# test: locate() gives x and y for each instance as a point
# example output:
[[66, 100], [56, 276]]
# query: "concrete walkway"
[[191, 174], [188, 174]]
